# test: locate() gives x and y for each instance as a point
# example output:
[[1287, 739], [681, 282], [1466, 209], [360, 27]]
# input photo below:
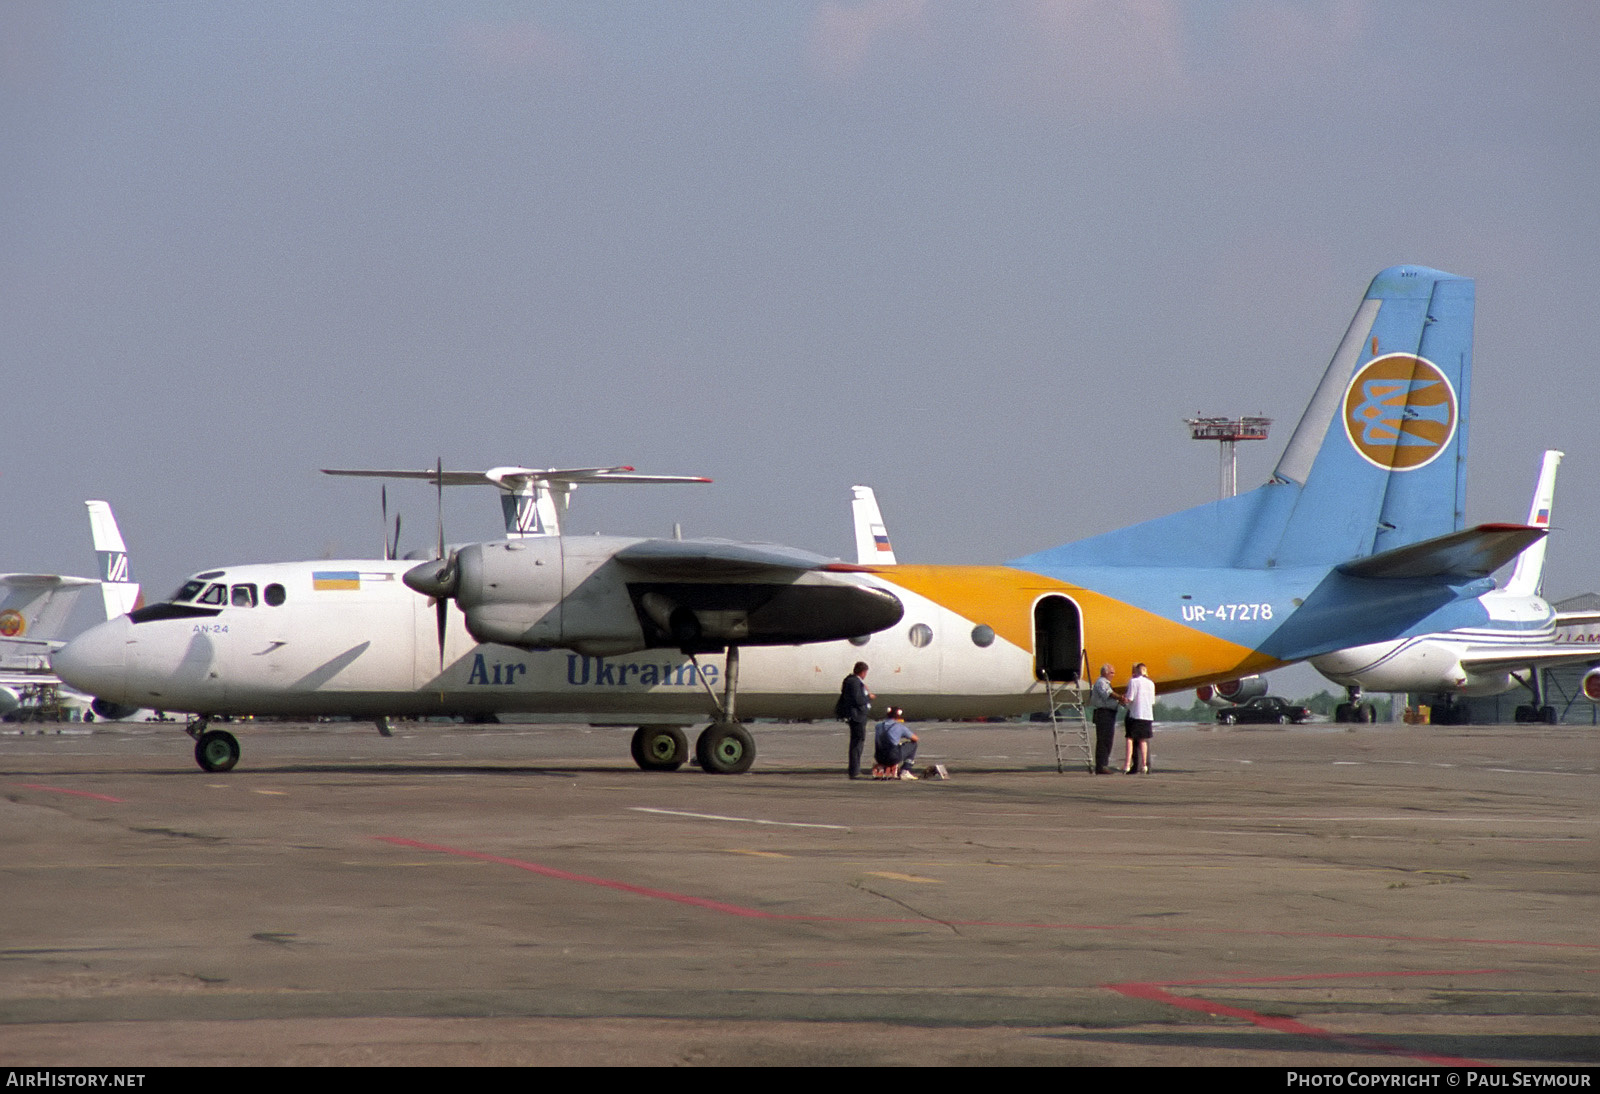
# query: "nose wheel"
[[214, 749]]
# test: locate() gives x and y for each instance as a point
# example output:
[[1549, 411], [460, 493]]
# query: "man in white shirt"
[[1139, 726]]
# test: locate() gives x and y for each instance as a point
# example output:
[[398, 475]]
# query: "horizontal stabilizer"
[[1469, 553], [42, 582]]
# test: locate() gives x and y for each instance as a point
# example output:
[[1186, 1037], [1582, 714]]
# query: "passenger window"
[[274, 594], [244, 596], [217, 594]]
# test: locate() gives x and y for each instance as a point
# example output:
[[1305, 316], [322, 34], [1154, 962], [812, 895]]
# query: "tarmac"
[[1305, 896]]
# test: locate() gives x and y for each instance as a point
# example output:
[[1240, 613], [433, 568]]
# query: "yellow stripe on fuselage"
[[1178, 656]]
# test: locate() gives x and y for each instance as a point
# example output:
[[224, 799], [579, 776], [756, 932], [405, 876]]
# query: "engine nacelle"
[[108, 711], [573, 593], [9, 701]]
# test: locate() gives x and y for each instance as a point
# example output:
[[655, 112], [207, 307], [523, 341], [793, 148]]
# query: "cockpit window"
[[274, 594], [244, 596], [216, 594], [190, 588]]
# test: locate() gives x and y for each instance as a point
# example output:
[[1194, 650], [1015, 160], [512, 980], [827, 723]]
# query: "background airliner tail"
[[117, 587], [1527, 579], [872, 538], [35, 607]]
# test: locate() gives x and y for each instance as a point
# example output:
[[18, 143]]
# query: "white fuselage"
[[365, 645], [1434, 664]]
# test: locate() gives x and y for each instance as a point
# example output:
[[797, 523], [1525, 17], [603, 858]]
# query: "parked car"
[[1264, 708]]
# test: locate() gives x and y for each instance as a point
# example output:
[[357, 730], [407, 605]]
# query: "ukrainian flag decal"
[[335, 580]]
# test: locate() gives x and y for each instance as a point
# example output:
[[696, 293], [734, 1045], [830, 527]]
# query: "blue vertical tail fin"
[[1378, 460], [1381, 453]]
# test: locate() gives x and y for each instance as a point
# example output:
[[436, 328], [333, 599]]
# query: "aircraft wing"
[[719, 560], [1510, 658], [703, 594], [1468, 554]]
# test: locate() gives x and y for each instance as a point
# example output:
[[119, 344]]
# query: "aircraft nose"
[[96, 661]]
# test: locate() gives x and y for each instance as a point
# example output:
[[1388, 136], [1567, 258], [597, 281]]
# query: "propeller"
[[447, 576], [391, 548], [440, 578]]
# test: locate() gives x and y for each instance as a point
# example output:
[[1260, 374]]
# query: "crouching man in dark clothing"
[[895, 747]]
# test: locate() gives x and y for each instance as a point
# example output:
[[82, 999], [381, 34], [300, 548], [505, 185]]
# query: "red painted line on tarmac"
[[604, 883], [757, 913], [74, 793], [1156, 993], [1151, 991]]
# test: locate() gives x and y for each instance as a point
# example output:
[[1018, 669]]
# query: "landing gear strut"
[[725, 747], [1353, 709], [1538, 710], [214, 749]]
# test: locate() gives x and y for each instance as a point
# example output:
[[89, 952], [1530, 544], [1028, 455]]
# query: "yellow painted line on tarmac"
[[278, 793], [905, 877], [757, 854]]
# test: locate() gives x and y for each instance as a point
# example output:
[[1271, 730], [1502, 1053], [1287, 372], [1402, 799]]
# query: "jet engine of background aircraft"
[[1230, 692], [1591, 685]]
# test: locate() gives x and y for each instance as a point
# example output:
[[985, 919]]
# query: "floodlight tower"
[[1229, 431]]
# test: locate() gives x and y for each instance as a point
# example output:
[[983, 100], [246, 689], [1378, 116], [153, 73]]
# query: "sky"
[[983, 256]]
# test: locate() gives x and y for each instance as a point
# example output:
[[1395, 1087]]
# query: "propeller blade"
[[439, 483], [383, 504], [442, 617], [447, 572]]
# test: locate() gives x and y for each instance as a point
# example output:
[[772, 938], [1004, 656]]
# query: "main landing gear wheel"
[[725, 748], [216, 750], [660, 748]]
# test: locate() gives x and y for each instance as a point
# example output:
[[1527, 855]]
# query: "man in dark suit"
[[855, 707]]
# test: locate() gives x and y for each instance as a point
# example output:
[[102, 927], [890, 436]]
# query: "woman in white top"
[[1139, 725]]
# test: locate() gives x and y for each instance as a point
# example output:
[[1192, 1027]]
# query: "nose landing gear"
[[214, 749]]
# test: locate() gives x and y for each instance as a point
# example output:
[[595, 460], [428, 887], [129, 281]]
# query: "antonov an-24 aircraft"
[[1356, 538]]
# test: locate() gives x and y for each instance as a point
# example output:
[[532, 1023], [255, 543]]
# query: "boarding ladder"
[[1069, 710]]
